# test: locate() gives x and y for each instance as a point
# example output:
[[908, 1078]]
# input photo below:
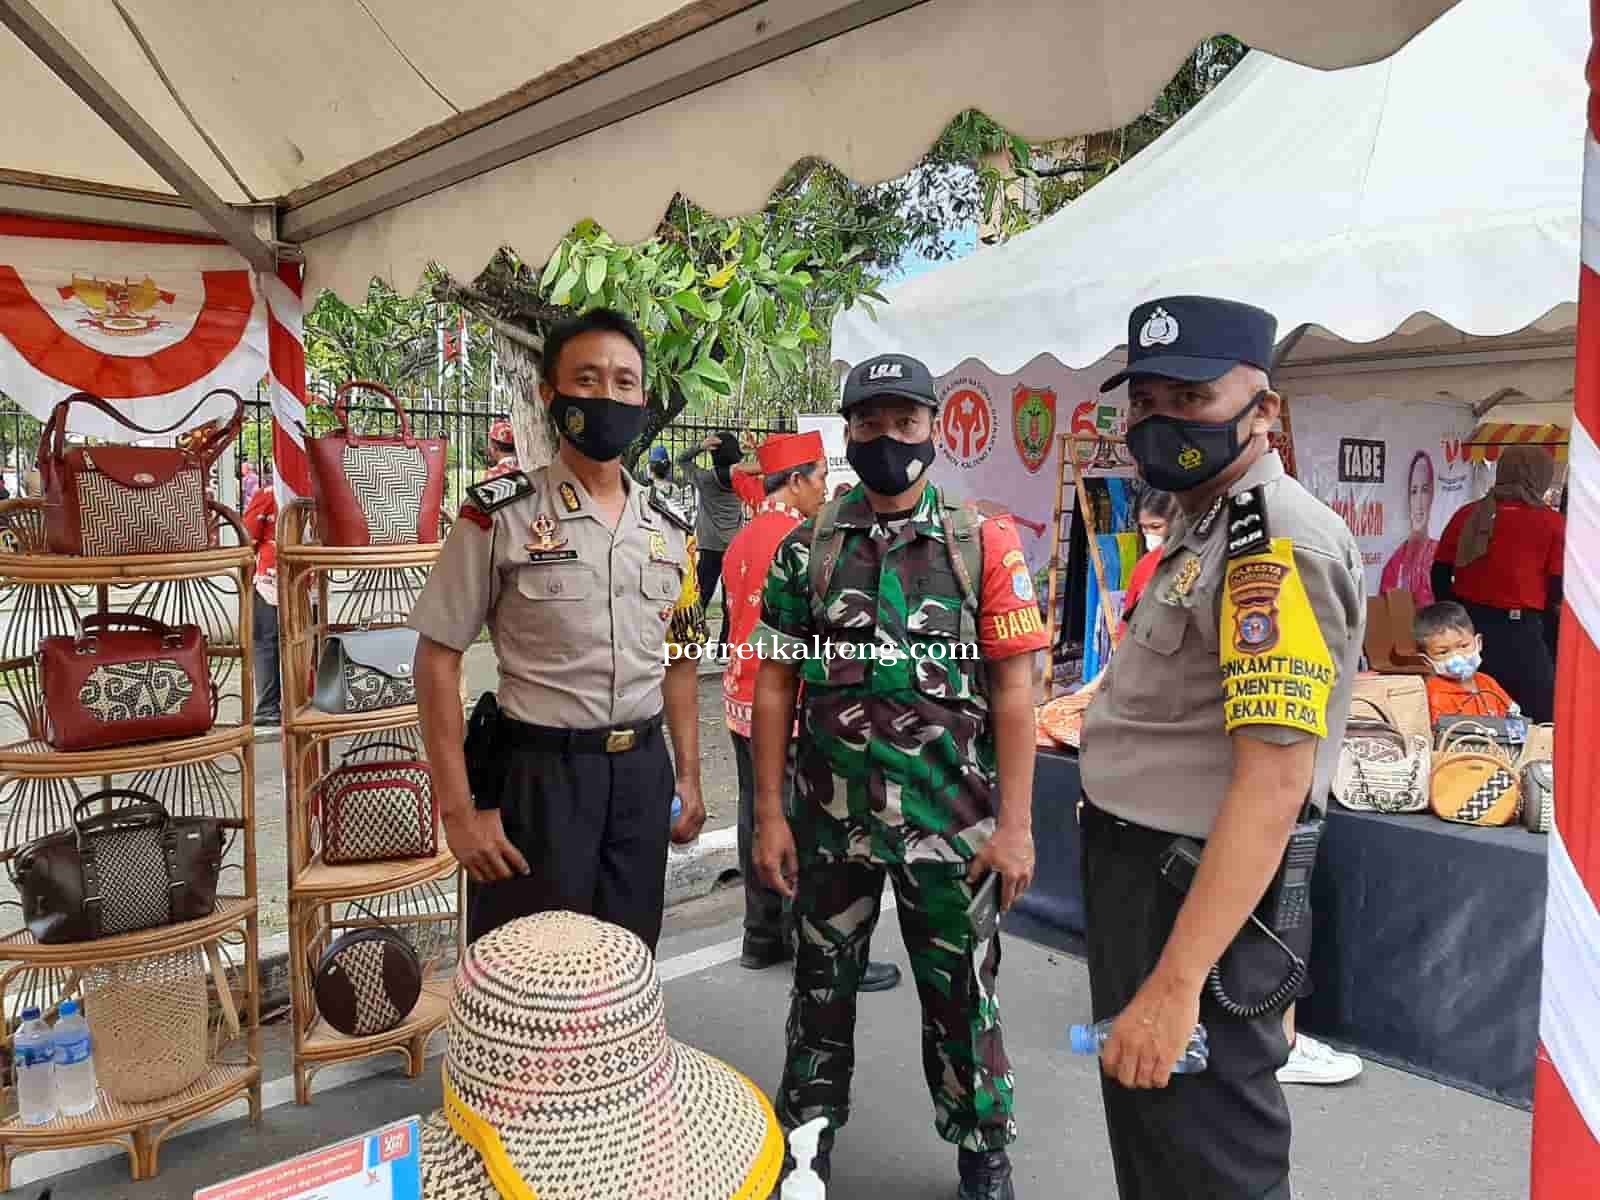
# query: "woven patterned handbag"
[[1381, 769], [378, 810], [126, 678], [376, 491], [1474, 780], [109, 500], [1536, 773], [367, 982], [363, 670]]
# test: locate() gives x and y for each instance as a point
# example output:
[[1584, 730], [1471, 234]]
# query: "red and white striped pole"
[[286, 351], [1566, 1112]]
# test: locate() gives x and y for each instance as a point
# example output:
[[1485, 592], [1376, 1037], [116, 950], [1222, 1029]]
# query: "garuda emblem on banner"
[[121, 309], [1033, 421]]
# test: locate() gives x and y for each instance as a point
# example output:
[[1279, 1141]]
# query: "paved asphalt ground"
[[1386, 1136]]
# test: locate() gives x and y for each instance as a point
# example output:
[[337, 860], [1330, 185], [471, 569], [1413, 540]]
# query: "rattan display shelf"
[[312, 557], [323, 1045], [231, 910], [320, 883], [313, 722], [139, 1129], [23, 558], [34, 759]]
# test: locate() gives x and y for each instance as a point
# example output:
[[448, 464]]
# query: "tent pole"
[[35, 31]]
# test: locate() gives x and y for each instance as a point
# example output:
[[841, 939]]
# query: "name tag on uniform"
[[538, 557]]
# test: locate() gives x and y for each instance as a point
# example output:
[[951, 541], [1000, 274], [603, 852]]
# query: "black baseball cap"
[[889, 375], [1196, 338]]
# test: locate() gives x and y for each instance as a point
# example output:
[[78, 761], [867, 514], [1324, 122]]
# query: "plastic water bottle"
[[1089, 1039], [34, 1057], [804, 1183], [75, 1090], [677, 807]]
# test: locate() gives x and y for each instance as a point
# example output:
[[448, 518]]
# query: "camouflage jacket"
[[896, 760]]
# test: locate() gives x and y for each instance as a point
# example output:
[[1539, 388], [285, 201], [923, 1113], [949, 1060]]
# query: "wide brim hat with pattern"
[[561, 1083]]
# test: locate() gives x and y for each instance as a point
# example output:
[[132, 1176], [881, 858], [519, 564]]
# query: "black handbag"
[[132, 868]]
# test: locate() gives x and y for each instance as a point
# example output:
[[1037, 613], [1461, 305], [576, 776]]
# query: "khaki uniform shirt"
[[1262, 645], [581, 615]]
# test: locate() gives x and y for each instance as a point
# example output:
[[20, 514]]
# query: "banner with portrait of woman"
[[1395, 470]]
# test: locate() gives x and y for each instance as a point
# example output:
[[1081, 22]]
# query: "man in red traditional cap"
[[502, 451], [792, 486]]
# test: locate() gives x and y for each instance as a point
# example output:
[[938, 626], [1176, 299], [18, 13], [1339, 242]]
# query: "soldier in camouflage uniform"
[[911, 623]]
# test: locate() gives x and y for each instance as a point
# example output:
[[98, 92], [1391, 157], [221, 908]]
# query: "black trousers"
[[1518, 655], [1222, 1134], [763, 908], [264, 657], [594, 829], [710, 573]]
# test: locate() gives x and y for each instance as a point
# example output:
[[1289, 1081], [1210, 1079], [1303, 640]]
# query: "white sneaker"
[[1311, 1061]]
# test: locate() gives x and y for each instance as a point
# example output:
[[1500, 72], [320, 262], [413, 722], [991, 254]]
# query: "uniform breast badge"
[[546, 547], [1183, 582]]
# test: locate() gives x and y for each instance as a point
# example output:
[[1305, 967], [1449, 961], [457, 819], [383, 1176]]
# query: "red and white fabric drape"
[[286, 343], [1566, 1114]]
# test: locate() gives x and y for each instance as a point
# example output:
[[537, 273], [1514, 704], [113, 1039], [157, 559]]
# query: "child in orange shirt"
[[1454, 648]]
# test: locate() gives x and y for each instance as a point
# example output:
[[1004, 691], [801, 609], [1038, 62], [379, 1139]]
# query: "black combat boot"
[[985, 1175]]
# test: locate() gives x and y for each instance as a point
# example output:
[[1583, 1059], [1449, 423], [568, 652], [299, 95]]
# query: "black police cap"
[[889, 375], [1196, 338]]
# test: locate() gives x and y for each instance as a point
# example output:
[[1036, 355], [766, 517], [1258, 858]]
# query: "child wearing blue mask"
[[1454, 648]]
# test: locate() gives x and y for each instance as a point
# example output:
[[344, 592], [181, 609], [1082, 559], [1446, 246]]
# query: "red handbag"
[[110, 500], [378, 810], [376, 491], [110, 686]]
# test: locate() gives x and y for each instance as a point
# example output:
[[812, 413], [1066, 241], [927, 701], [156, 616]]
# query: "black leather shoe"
[[821, 1161], [986, 1175], [759, 955], [879, 977]]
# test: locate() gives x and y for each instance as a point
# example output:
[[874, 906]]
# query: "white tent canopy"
[[1445, 180], [380, 134]]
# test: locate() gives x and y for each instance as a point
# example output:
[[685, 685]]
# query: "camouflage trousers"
[[963, 1057]]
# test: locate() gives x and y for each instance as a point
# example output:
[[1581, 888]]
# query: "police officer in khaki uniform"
[[1215, 733], [588, 586]]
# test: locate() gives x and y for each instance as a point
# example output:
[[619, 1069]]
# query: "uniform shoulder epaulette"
[[1247, 523], [496, 493], [670, 513]]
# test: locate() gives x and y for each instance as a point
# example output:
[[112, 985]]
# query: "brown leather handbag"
[[132, 868], [126, 678], [367, 982], [109, 500], [376, 491]]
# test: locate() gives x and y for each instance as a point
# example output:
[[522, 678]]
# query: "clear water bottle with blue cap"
[[75, 1084], [677, 807], [1090, 1039], [34, 1056]]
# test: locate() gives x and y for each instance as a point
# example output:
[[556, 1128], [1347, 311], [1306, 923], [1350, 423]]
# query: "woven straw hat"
[[562, 1084]]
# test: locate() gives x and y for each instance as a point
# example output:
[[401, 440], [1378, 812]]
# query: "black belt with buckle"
[[579, 741]]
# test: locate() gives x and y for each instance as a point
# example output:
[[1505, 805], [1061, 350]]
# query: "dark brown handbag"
[[135, 867], [112, 686], [375, 491], [110, 500], [368, 981]]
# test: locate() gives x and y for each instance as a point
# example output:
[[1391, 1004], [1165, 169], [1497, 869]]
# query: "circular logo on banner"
[[965, 426]]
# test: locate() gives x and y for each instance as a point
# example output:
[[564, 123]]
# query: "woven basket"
[[148, 1021]]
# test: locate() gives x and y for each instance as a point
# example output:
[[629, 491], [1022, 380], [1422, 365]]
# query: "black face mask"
[[600, 427], [1179, 456], [887, 466]]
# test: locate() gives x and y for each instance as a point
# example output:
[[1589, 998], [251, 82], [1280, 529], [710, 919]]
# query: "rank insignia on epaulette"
[[1247, 524], [670, 513], [496, 493]]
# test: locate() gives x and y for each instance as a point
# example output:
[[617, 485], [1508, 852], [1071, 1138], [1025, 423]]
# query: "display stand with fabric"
[[323, 589], [205, 1055]]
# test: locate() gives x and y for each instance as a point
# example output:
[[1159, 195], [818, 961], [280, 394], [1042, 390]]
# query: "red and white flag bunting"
[[1566, 1116]]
